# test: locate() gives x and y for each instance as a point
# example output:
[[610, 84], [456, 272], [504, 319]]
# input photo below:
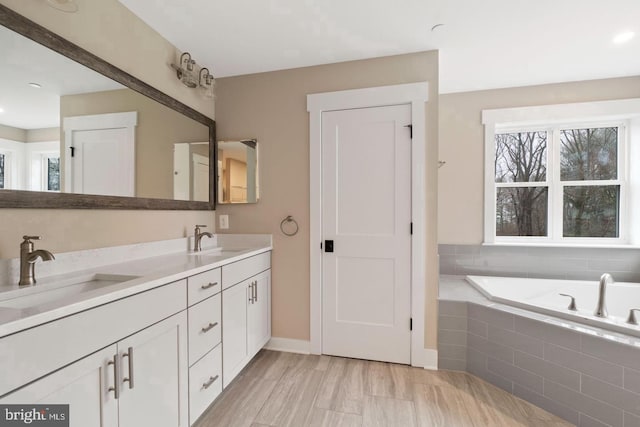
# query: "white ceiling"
[[23, 61], [484, 44]]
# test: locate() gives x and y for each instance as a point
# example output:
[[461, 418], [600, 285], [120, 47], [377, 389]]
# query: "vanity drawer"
[[205, 328], [203, 285], [205, 383], [238, 271]]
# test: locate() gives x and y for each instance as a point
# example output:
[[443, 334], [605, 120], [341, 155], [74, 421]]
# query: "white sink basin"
[[220, 252], [52, 292]]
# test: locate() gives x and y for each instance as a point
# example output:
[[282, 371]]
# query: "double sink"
[[54, 292]]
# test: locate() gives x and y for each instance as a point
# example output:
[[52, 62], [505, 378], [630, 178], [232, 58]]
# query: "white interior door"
[[96, 155], [200, 178], [100, 154], [366, 210]]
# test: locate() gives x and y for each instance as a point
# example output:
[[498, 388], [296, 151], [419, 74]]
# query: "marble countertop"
[[149, 273]]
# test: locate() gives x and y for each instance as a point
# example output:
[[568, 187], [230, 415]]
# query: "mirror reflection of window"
[[53, 174], [1, 170]]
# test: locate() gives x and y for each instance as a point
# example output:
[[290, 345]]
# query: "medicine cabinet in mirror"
[[77, 132], [238, 180]]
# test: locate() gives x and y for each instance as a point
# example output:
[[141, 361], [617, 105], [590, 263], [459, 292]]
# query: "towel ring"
[[286, 221]]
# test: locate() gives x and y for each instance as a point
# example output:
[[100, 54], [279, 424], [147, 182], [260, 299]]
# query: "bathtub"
[[541, 295]]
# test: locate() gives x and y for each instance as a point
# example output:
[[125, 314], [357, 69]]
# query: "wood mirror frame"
[[48, 200]]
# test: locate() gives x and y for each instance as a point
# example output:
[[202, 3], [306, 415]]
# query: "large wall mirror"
[[76, 132], [238, 171]]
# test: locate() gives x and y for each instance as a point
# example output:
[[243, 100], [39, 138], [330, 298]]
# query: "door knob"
[[328, 245]]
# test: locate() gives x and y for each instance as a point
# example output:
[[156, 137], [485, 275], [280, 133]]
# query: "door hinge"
[[411, 323], [320, 245], [73, 151], [410, 130], [411, 228]]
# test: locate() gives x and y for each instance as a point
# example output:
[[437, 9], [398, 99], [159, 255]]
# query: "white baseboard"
[[430, 359], [288, 345]]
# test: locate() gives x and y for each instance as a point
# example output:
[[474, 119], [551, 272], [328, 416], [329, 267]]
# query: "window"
[[51, 172], [1, 170], [561, 174], [6, 169], [557, 183]]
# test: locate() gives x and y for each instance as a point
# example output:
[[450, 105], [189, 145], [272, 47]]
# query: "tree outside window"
[[586, 177]]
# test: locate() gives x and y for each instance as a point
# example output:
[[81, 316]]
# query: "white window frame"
[[624, 114]]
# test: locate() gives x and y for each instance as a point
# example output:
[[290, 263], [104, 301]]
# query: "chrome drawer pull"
[[116, 388], [129, 355], [208, 285], [209, 327], [208, 383]]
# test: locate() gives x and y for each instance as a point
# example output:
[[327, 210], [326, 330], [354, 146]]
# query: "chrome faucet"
[[601, 309], [197, 238], [28, 259]]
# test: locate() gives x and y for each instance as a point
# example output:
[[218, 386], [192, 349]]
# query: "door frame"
[[415, 94], [127, 120]]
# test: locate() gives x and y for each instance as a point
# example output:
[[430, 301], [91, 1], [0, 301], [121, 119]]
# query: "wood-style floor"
[[285, 389]]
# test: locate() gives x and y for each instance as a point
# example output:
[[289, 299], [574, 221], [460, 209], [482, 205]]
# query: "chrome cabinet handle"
[[208, 285], [251, 293], [255, 291], [208, 383], [572, 304], [209, 327], [632, 316], [116, 388], [129, 356]]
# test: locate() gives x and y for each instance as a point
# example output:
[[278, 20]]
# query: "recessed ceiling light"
[[1, 110], [68, 6], [35, 85], [623, 37]]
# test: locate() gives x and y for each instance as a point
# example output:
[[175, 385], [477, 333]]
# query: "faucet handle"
[[572, 304], [31, 237], [632, 316]]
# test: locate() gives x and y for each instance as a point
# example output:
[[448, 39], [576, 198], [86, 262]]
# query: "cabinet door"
[[234, 330], [259, 313], [158, 394], [84, 385]]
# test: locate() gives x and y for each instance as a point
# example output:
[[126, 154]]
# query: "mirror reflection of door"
[[238, 171], [95, 147], [191, 171]]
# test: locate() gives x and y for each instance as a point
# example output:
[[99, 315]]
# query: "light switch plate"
[[223, 220]]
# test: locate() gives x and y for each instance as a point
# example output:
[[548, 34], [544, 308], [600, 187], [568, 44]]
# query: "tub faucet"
[[28, 259], [197, 238], [601, 309]]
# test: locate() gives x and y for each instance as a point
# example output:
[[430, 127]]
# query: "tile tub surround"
[[540, 262], [587, 376]]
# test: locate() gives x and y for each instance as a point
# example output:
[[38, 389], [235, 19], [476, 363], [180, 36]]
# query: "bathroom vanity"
[[151, 341]]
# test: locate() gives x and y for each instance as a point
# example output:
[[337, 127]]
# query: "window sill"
[[564, 245]]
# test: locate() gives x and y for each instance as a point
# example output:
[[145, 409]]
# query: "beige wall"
[[272, 108], [461, 180], [29, 135], [43, 135], [109, 30], [13, 134], [158, 128]]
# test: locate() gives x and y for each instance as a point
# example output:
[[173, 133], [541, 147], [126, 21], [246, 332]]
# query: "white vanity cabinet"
[[246, 312], [205, 335], [141, 380], [158, 357], [82, 385]]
